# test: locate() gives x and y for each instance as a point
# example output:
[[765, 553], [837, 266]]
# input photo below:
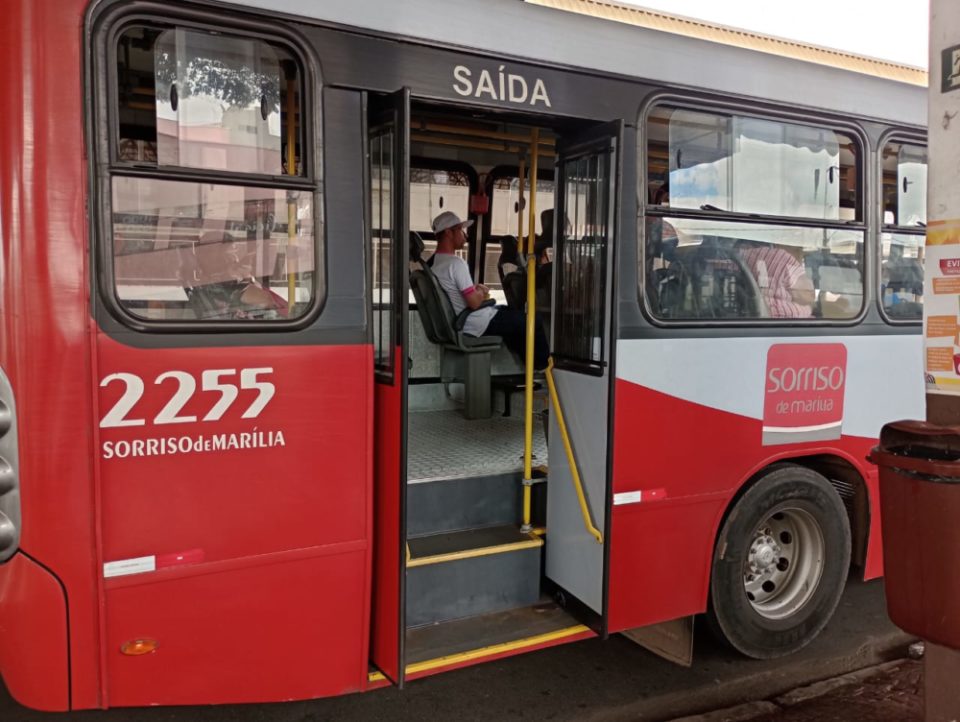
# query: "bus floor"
[[435, 647], [444, 445]]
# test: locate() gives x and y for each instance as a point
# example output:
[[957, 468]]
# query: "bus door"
[[582, 347], [388, 173]]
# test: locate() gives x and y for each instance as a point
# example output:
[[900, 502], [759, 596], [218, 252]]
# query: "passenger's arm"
[[475, 296]]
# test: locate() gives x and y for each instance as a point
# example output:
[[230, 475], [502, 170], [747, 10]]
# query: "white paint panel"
[[123, 567], [884, 375]]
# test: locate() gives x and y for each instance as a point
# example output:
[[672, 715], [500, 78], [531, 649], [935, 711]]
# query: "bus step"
[[446, 505], [462, 574]]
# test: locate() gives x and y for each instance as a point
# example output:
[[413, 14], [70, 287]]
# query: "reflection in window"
[[904, 220], [901, 284], [186, 251], [904, 185], [202, 100], [751, 165], [707, 269]]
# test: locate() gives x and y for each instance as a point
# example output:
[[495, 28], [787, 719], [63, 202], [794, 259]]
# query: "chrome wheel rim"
[[784, 563]]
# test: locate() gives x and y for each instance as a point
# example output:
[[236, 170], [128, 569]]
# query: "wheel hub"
[[784, 563], [764, 555]]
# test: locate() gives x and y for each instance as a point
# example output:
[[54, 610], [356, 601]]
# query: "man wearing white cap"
[[453, 274]]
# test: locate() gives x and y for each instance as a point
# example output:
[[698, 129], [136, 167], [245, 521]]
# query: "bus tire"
[[780, 564]]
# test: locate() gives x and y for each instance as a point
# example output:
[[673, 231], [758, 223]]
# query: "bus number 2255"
[[215, 380]]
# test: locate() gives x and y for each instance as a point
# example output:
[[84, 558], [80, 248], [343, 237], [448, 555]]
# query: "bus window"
[[194, 249], [434, 191], [699, 268], [198, 251], [505, 225], [904, 224]]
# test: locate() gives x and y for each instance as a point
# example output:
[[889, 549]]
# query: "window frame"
[[905, 136], [103, 121], [761, 112]]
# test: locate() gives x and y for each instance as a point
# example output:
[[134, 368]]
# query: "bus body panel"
[[706, 408], [45, 337], [252, 520], [33, 651]]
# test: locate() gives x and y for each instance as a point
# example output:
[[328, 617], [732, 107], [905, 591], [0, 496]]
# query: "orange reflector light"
[[138, 647]]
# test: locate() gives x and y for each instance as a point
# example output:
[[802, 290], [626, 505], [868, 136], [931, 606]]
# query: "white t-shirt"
[[454, 276]]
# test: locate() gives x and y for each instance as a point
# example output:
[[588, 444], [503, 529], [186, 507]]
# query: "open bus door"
[[388, 174], [583, 345]]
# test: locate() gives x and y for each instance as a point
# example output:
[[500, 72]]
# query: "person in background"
[[454, 278], [222, 287], [784, 284]]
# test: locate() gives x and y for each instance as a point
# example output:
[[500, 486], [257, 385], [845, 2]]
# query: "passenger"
[[224, 287], [453, 274], [784, 284]]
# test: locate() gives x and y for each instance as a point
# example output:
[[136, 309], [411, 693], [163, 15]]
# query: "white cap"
[[448, 219]]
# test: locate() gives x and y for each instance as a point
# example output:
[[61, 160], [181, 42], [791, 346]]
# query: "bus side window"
[[224, 105]]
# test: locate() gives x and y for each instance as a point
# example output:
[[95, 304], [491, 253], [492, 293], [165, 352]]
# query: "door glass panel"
[[580, 261], [381, 230]]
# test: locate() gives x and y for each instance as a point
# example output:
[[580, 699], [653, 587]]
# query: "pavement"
[[592, 680], [891, 692]]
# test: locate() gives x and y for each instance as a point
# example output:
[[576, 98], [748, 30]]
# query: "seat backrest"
[[433, 304], [509, 254], [515, 289]]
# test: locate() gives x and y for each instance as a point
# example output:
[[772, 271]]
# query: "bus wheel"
[[780, 564]]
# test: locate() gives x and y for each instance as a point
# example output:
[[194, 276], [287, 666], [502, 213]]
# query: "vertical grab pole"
[[291, 204], [531, 321], [520, 174]]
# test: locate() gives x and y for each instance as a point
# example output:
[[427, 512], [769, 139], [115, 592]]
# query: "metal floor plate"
[[445, 445]]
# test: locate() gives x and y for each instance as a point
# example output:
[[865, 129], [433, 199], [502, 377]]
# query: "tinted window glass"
[[734, 163], [698, 269], [206, 100], [185, 251]]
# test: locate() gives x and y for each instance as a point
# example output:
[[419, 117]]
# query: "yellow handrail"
[[571, 461], [531, 321]]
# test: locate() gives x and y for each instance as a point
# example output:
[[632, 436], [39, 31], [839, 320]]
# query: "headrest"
[[416, 247]]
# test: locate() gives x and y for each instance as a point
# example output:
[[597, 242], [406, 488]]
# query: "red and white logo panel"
[[803, 393]]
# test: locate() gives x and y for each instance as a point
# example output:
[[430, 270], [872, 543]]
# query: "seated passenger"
[[223, 288], [453, 274], [782, 279]]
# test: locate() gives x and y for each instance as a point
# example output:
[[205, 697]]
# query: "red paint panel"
[[292, 477], [388, 488], [33, 636], [224, 468], [45, 347], [259, 634], [661, 552]]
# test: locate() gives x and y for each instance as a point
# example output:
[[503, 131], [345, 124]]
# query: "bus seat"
[[464, 357]]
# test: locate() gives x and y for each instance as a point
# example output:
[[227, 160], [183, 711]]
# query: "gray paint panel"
[[506, 29], [574, 558]]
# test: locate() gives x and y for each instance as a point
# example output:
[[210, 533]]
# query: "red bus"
[[247, 453]]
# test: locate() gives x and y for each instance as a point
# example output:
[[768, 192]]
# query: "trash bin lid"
[[922, 448]]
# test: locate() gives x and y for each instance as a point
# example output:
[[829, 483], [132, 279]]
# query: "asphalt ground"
[[589, 680]]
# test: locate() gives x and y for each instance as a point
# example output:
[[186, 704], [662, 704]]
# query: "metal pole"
[[531, 326]]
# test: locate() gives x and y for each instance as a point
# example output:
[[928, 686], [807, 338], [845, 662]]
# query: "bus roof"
[[695, 28], [593, 40]]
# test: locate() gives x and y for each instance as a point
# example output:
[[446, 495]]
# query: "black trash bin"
[[920, 515]]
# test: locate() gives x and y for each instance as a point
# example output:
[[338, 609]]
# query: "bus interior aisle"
[[474, 578]]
